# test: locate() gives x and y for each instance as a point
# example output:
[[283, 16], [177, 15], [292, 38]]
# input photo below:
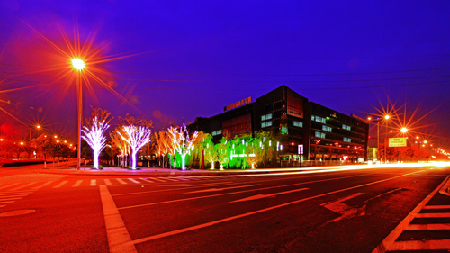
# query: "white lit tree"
[[182, 141], [93, 132], [136, 132]]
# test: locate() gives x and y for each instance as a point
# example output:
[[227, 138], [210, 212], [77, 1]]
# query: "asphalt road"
[[341, 211]]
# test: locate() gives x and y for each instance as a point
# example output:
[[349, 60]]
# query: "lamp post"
[[79, 65], [386, 117]]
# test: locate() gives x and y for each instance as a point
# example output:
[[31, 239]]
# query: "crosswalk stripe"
[[437, 207], [148, 181], [61, 184], [2, 205], [77, 183], [107, 181], [444, 226], [38, 187], [134, 181], [171, 179], [23, 186], [6, 202], [8, 185], [433, 215], [157, 179], [93, 182], [8, 199], [121, 181], [420, 244], [185, 179]]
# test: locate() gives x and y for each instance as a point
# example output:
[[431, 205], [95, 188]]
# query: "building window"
[[318, 119], [218, 132], [266, 124], [348, 128], [326, 128], [347, 139], [320, 135], [266, 117], [297, 123]]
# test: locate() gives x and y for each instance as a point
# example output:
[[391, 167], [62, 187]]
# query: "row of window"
[[266, 124], [214, 133], [266, 117], [318, 119], [323, 135], [345, 127]]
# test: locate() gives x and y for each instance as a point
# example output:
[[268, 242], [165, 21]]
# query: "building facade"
[[306, 130]]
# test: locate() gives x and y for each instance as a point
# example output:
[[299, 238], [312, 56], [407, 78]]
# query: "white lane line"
[[143, 179], [172, 179], [261, 196], [258, 189], [134, 181], [433, 215], [219, 189], [77, 183], [346, 189], [208, 224], [93, 182], [443, 226], [376, 182], [389, 240], [6, 202], [420, 245], [38, 187], [159, 180], [437, 207], [61, 184], [119, 239], [121, 181], [107, 181]]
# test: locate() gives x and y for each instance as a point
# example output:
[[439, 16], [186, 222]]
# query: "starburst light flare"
[[94, 137]]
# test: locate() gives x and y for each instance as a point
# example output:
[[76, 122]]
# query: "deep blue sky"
[[346, 55]]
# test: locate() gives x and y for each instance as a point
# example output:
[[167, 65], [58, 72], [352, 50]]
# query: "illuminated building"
[[303, 128]]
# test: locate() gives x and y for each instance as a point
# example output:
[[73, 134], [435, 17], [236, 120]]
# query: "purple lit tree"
[[136, 132], [93, 132], [182, 141]]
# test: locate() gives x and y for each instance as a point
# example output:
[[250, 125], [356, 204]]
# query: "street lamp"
[[404, 130], [79, 65]]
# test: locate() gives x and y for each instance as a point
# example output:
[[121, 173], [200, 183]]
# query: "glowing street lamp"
[[79, 65], [404, 130], [387, 116]]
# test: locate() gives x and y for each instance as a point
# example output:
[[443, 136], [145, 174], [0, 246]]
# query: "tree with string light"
[[93, 131], [182, 141], [136, 132]]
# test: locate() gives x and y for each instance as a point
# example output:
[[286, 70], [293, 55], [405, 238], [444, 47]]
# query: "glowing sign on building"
[[397, 142], [237, 104]]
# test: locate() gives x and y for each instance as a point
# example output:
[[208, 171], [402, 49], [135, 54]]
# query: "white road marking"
[[9, 199], [107, 181], [436, 207], [38, 187], [158, 179], [134, 181], [6, 202], [345, 210], [61, 184], [387, 242], [93, 182], [433, 215], [2, 206], [171, 179], [77, 183], [346, 189], [260, 196], [119, 239], [444, 226], [121, 181], [143, 179], [23, 186], [420, 245], [5, 186], [219, 189]]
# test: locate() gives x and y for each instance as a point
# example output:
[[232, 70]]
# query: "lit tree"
[[136, 132], [182, 141], [93, 132], [122, 145], [222, 153]]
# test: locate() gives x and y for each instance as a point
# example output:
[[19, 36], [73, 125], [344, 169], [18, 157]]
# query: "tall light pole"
[[79, 65]]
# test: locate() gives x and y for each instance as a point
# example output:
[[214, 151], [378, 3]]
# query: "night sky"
[[191, 58]]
